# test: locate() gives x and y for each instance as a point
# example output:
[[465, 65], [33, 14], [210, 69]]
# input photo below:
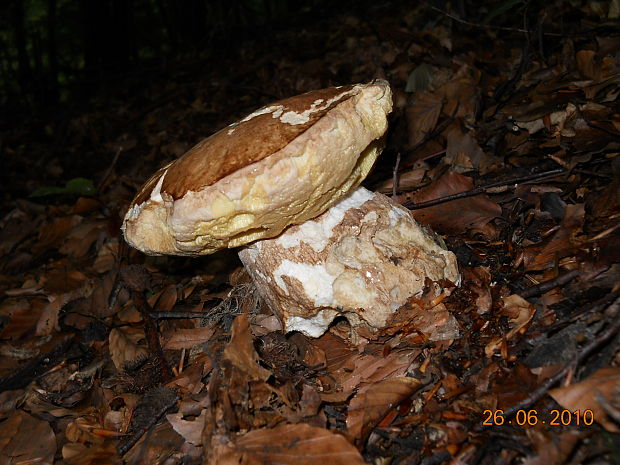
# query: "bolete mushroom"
[[297, 164]]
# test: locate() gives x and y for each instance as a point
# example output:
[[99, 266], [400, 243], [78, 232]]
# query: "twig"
[[514, 29], [136, 279], [173, 315], [585, 352], [483, 189], [508, 87], [541, 45], [152, 334], [469, 23], [593, 308], [108, 171], [548, 285], [395, 175]]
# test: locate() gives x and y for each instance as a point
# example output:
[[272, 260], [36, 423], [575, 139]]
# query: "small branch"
[[175, 315], [484, 189], [109, 170], [469, 23], [548, 285], [136, 278], [541, 36], [395, 177], [152, 334], [519, 30]]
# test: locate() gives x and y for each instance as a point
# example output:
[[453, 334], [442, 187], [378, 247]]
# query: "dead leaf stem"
[[484, 189]]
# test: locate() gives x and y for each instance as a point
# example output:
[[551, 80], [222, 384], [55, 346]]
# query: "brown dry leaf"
[[549, 119], [61, 280], [520, 314], [190, 380], [106, 257], [407, 181], [51, 234], [310, 402], [435, 323], [124, 347], [551, 449], [22, 316], [329, 349], [515, 386], [164, 301], [75, 285], [561, 244], [81, 238], [586, 64], [607, 203], [457, 216], [461, 93], [190, 430], [240, 350], [423, 115], [177, 339], [16, 440], [464, 154], [603, 385], [100, 454], [15, 227], [48, 321], [161, 442], [81, 430], [478, 281], [85, 205], [369, 406], [265, 324], [370, 369], [289, 445]]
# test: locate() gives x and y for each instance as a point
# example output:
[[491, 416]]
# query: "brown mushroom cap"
[[281, 165]]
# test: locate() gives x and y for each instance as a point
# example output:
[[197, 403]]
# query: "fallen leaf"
[[464, 154], [21, 316], [520, 314], [563, 242], [80, 239], [178, 339], [457, 216], [241, 353], [369, 406], [52, 233], [603, 385], [99, 454], [422, 116], [16, 440], [190, 430], [551, 449], [289, 445], [124, 347], [164, 300]]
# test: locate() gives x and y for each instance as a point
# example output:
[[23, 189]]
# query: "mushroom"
[[283, 183]]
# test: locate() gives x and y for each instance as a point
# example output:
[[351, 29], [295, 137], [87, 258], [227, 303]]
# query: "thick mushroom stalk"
[[361, 259]]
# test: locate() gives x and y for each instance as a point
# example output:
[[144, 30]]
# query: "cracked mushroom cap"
[[283, 164]]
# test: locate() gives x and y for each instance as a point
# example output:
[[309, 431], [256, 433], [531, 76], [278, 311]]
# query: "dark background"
[[80, 78], [85, 84]]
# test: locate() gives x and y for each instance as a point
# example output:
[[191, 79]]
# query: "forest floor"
[[522, 367]]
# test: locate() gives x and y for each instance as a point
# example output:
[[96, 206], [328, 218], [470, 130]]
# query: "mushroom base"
[[361, 259]]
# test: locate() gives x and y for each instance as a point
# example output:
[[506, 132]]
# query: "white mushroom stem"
[[362, 259]]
